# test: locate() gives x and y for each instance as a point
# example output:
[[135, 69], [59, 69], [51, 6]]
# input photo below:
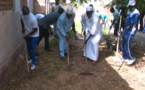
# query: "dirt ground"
[[50, 73]]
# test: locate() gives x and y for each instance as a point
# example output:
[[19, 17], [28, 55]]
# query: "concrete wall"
[[11, 41]]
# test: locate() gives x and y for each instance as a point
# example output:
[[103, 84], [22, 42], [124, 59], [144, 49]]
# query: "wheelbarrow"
[[111, 41]]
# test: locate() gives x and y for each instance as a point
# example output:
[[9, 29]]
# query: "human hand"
[[110, 27], [85, 42], [51, 33], [120, 33], [126, 28], [25, 37], [23, 31], [67, 38]]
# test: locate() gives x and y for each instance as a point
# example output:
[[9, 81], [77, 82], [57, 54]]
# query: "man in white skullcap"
[[131, 26], [64, 24], [91, 23]]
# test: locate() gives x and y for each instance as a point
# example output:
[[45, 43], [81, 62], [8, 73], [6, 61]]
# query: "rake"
[[86, 72]]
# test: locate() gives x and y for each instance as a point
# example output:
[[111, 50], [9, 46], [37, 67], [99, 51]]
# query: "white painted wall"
[[10, 33]]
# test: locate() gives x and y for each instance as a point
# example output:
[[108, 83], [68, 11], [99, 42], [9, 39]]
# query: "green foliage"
[[140, 5], [77, 3], [123, 3]]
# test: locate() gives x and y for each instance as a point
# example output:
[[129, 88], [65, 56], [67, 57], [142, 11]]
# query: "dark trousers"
[[116, 29], [44, 33], [141, 23]]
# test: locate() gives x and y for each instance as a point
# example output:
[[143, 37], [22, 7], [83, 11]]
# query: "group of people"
[[35, 27], [35, 30]]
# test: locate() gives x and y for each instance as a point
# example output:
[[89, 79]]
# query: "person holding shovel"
[[64, 24], [131, 27], [116, 15], [91, 23], [31, 30]]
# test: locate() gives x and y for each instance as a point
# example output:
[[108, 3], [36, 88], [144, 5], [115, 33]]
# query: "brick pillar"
[[6, 5], [24, 2]]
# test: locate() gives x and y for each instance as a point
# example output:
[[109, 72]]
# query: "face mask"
[[26, 16]]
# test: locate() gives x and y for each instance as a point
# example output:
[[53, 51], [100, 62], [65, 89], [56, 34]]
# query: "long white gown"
[[94, 28]]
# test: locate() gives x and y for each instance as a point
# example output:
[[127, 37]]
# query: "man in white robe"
[[91, 23]]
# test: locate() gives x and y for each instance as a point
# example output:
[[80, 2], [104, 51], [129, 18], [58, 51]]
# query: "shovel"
[[26, 57], [86, 72], [68, 59], [117, 49]]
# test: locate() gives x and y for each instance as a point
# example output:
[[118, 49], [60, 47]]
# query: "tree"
[[140, 4]]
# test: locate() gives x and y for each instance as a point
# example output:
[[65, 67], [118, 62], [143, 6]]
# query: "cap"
[[69, 10], [131, 3], [89, 8]]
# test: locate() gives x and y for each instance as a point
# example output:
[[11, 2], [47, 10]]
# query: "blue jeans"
[[31, 46]]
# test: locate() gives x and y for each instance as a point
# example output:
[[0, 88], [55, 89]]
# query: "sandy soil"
[[50, 73]]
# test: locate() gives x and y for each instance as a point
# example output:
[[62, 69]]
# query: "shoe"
[[124, 60], [30, 61], [38, 54], [94, 63], [65, 54], [33, 67], [130, 62], [63, 59], [76, 39], [48, 50]]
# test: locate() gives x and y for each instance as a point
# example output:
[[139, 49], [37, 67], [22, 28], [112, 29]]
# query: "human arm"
[[74, 30], [31, 33], [83, 22], [50, 30], [131, 25], [22, 24], [134, 21], [88, 38], [112, 23]]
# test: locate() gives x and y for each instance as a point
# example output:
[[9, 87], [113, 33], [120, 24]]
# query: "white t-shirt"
[[39, 16], [29, 24], [56, 7]]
